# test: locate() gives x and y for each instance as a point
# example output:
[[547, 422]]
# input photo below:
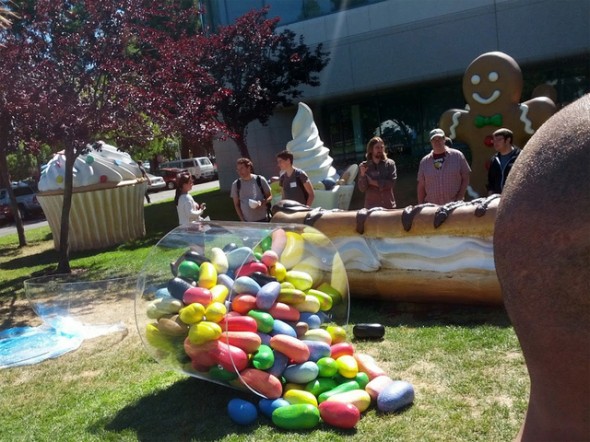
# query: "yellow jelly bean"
[[309, 305], [204, 331], [207, 275], [278, 271], [293, 251], [331, 291], [157, 339], [291, 296], [300, 280], [347, 366], [219, 293], [359, 398], [219, 260], [295, 396], [339, 279], [312, 266], [192, 313], [318, 334], [325, 299], [215, 312], [338, 333]]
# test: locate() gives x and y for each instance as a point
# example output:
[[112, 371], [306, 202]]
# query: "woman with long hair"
[[188, 210]]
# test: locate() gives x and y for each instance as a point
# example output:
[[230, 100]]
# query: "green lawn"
[[465, 364]]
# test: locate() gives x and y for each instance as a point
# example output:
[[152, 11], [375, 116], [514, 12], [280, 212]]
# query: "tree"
[[103, 69], [184, 95], [259, 69], [73, 85]]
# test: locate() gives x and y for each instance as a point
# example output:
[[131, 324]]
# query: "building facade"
[[397, 65]]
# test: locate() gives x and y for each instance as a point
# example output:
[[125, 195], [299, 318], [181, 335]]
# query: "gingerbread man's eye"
[[475, 79], [493, 76]]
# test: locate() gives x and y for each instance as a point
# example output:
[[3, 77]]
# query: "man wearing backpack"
[[294, 182], [251, 193]]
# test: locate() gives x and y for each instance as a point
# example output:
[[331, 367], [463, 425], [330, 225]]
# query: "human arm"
[[236, 201], [310, 192], [387, 179], [465, 172], [421, 190], [267, 191], [363, 183], [188, 208]]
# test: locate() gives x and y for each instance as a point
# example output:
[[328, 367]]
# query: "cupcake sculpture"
[[107, 198]]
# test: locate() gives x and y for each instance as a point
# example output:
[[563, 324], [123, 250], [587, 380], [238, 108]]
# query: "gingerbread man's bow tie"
[[494, 120]]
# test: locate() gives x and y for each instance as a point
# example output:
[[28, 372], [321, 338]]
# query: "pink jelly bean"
[[197, 294], [279, 241], [230, 357], [377, 385], [250, 268]]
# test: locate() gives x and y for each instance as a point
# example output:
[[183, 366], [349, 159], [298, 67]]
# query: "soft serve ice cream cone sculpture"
[[311, 155]]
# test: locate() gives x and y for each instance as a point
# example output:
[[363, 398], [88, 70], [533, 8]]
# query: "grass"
[[464, 361]]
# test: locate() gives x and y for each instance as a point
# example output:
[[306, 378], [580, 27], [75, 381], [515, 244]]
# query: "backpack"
[[300, 183], [259, 182]]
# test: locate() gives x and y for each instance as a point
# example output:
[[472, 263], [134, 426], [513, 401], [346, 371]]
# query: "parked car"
[[156, 183], [26, 199], [200, 168], [170, 175]]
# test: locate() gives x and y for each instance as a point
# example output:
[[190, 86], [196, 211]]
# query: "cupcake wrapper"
[[99, 218]]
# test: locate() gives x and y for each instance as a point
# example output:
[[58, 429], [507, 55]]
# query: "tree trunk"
[[5, 180], [239, 140], [63, 265]]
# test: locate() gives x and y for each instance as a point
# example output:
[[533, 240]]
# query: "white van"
[[200, 168]]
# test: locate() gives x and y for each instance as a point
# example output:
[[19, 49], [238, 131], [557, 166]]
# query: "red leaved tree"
[[76, 80], [260, 69]]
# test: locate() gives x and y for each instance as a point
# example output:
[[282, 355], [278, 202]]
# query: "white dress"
[[188, 210]]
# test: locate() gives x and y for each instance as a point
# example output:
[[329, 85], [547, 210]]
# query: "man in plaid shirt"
[[443, 175]]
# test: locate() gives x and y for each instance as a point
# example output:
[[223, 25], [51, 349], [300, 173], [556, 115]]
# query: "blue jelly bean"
[[242, 412], [267, 406], [317, 349], [282, 328]]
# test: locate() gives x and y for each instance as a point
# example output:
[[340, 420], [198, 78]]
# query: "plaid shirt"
[[448, 182]]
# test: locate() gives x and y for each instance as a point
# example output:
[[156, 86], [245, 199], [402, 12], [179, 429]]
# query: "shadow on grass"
[[190, 409], [395, 314]]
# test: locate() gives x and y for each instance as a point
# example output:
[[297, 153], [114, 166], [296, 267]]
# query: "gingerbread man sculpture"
[[492, 86]]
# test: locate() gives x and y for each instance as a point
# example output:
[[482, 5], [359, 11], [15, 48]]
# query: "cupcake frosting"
[[105, 166], [309, 151]]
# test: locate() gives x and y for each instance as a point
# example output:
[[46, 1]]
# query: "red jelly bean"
[[339, 414]]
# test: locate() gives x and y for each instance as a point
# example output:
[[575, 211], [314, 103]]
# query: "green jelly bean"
[[220, 374], [266, 243], [264, 320], [296, 417], [342, 388], [362, 378], [264, 358], [320, 385], [188, 269], [328, 367]]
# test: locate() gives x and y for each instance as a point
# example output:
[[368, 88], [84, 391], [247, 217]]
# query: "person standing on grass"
[[251, 193], [294, 182], [377, 176], [188, 210], [443, 174], [147, 178]]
